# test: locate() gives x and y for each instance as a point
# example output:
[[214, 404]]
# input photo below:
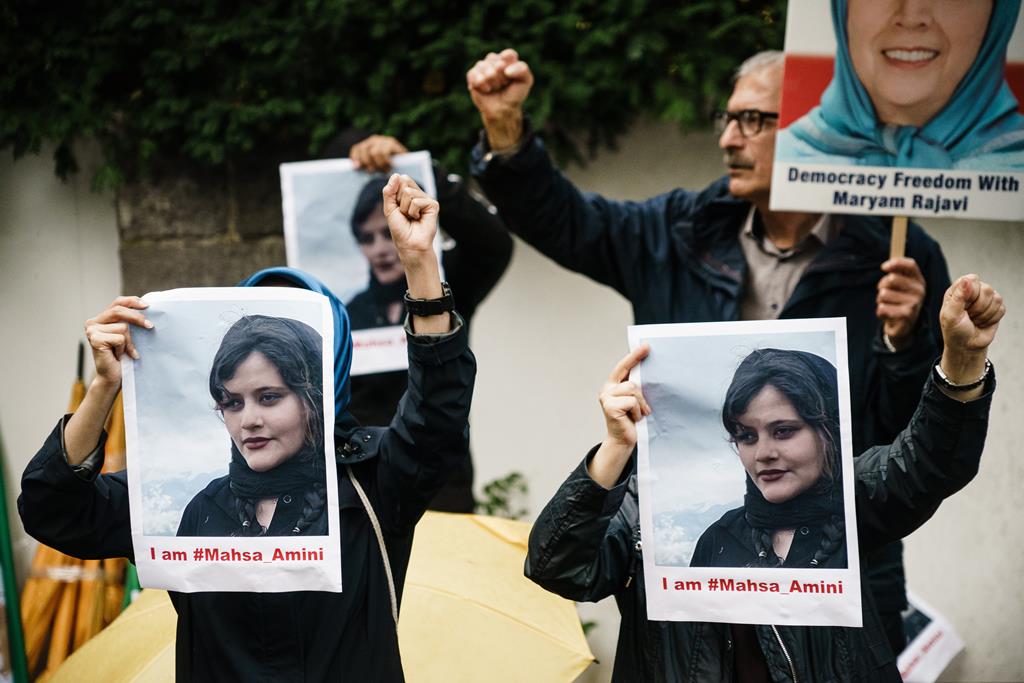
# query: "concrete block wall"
[[197, 227]]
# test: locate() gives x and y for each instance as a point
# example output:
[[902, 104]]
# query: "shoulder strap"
[[380, 541]]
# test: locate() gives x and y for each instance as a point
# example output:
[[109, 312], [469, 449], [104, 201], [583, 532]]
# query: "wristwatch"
[[943, 381], [428, 307]]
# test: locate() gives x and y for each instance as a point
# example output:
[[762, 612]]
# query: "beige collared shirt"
[[772, 273]]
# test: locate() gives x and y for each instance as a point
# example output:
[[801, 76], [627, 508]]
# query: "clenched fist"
[[499, 84]]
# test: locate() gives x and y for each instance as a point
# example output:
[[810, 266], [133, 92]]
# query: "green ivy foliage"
[[217, 80]]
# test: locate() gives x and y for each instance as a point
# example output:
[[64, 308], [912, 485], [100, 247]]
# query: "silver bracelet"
[[943, 381]]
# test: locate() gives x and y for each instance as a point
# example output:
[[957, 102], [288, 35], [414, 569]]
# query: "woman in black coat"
[[386, 476], [586, 544]]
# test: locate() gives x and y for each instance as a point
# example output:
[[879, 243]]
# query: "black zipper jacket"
[[586, 546], [299, 636]]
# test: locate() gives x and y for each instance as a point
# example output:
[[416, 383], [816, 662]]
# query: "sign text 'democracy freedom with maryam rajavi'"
[[877, 118]]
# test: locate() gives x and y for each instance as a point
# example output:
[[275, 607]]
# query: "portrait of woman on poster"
[[266, 382], [918, 84], [381, 303], [781, 412]]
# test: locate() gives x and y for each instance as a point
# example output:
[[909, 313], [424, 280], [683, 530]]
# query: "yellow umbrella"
[[469, 614], [138, 646]]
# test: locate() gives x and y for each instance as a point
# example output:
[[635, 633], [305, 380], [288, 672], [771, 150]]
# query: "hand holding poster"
[[745, 473], [230, 422], [335, 229], [921, 114]]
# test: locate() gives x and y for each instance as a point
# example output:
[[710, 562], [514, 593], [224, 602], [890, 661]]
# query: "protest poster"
[[229, 418], [932, 642], [720, 505], [334, 228], [898, 109]]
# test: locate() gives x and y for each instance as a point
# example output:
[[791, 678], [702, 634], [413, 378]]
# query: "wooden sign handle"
[[898, 245]]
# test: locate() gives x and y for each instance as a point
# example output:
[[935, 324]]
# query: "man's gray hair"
[[759, 62]]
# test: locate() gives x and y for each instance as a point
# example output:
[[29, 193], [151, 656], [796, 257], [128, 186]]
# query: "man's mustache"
[[736, 160]]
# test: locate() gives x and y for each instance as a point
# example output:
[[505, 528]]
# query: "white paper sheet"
[[690, 475], [932, 642], [178, 443]]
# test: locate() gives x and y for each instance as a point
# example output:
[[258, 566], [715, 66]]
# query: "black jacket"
[[300, 636], [677, 258], [586, 546]]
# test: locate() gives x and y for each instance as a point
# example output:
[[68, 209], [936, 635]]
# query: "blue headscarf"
[[342, 330], [979, 127]]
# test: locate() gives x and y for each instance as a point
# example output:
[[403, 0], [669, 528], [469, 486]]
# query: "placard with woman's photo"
[[745, 473], [229, 421], [902, 109], [335, 229]]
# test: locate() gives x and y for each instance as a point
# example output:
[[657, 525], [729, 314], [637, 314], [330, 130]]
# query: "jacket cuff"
[[86, 472], [907, 363], [434, 349], [605, 501], [956, 410], [482, 158]]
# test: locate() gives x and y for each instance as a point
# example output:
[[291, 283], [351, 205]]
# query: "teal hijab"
[[342, 330], [979, 125]]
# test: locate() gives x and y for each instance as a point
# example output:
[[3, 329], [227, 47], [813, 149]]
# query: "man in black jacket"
[[722, 254]]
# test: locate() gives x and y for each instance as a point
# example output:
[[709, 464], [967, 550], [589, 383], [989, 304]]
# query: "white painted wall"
[[58, 266], [545, 341]]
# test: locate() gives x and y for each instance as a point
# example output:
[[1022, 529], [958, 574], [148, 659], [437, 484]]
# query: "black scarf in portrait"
[[813, 507], [301, 472]]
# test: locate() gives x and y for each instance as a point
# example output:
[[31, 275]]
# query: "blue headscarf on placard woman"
[[342, 329], [979, 128]]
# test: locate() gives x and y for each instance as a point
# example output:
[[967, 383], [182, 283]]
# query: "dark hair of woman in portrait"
[[267, 383], [781, 412]]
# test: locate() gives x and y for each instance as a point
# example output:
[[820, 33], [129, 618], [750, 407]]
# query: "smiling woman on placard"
[[918, 84]]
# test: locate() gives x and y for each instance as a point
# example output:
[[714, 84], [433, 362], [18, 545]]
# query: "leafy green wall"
[[217, 81]]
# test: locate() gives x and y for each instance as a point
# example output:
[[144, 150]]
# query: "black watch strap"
[[428, 307]]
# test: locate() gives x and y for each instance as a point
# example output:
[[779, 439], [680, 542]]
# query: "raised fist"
[[499, 84], [412, 218], [970, 315]]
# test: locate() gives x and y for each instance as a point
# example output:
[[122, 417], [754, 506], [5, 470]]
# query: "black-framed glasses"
[[750, 121]]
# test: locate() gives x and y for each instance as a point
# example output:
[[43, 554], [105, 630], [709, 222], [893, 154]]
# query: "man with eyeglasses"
[[722, 254]]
